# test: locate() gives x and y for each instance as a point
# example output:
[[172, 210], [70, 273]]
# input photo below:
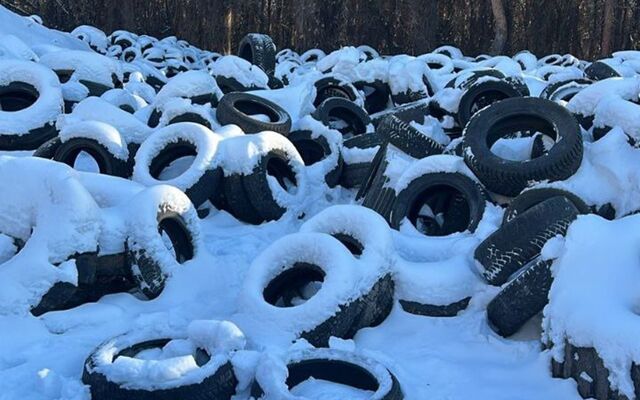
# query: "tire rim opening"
[[246, 53], [176, 238], [294, 286], [163, 349], [334, 371], [440, 210], [310, 151], [354, 246], [487, 98], [280, 170], [346, 122], [257, 111], [86, 163], [17, 96], [521, 138], [172, 161]]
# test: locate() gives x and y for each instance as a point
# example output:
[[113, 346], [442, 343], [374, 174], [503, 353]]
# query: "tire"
[[329, 87], [201, 180], [507, 177], [599, 71], [319, 149], [376, 95], [107, 162], [408, 139], [521, 299], [374, 191], [271, 202], [459, 199], [415, 112], [55, 299], [331, 365], [229, 84], [236, 200], [520, 241], [354, 174], [348, 299], [237, 108], [564, 90], [48, 149], [430, 310], [219, 380], [28, 110], [530, 198], [355, 118], [482, 94], [154, 210], [259, 50]]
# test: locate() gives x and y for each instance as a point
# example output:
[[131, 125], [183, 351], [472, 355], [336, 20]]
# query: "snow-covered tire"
[[259, 50], [599, 71], [355, 118], [235, 200], [520, 241], [367, 236], [159, 209], [522, 114], [56, 298], [30, 102], [407, 138], [212, 377], [564, 90], [374, 192], [521, 299], [102, 141], [201, 180], [319, 148], [482, 94], [277, 181], [460, 200], [345, 368], [530, 198], [238, 108], [329, 87], [340, 307], [432, 310], [407, 112]]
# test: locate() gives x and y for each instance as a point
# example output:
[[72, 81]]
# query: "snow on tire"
[[530, 198], [200, 180], [30, 102], [510, 116], [277, 379], [259, 50], [320, 150], [162, 363], [305, 285], [156, 211]]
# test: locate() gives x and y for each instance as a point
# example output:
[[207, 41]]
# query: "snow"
[[85, 65], [215, 300]]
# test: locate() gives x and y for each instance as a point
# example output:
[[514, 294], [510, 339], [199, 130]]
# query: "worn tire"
[[259, 50], [511, 177], [407, 138], [520, 241], [318, 149], [237, 108], [481, 95], [356, 119], [530, 198]]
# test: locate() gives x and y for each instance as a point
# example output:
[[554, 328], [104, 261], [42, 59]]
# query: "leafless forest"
[[585, 28]]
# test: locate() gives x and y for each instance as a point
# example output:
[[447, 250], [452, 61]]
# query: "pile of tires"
[[367, 160]]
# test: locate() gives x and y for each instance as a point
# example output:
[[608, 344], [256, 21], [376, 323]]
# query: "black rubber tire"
[[236, 200], [190, 117], [520, 241], [276, 163], [341, 370], [407, 138], [48, 149], [599, 71], [377, 94], [409, 96], [313, 150], [236, 108], [221, 385], [353, 175], [329, 87], [108, 163], [147, 270], [481, 95], [230, 85], [530, 198], [473, 78], [55, 299], [355, 117], [415, 112], [507, 177], [452, 192], [373, 191], [431, 310], [259, 50], [521, 299], [556, 91], [205, 188], [30, 141]]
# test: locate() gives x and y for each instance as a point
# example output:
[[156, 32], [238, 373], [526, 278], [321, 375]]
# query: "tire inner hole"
[[257, 110], [440, 210], [176, 238], [354, 246], [310, 150], [294, 286], [346, 122], [336, 372], [164, 349], [172, 161], [521, 138], [280, 170], [17, 96]]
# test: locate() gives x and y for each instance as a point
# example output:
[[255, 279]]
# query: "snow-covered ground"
[[461, 357]]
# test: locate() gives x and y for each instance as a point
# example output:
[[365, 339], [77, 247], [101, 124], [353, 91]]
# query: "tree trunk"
[[607, 27], [499, 26]]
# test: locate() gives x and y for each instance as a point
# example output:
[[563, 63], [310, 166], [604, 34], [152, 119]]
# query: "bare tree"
[[607, 27], [500, 27]]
